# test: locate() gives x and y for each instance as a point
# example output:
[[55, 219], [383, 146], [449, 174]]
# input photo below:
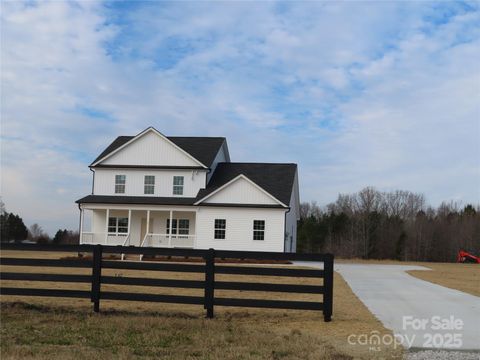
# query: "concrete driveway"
[[420, 314]]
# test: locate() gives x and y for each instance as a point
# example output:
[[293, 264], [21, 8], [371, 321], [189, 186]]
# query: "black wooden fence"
[[97, 262]]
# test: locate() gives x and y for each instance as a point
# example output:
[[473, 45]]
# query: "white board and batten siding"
[[240, 191], [239, 228], [291, 219], [104, 183], [151, 149], [239, 220]]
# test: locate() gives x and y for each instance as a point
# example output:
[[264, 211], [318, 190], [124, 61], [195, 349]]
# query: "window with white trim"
[[219, 228], [258, 229], [179, 227], [178, 185], [117, 225], [183, 227], [174, 226], [120, 181], [149, 184]]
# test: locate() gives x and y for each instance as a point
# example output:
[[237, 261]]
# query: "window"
[[183, 226], [258, 229], [118, 225], [178, 185], [220, 226], [120, 184], [180, 227], [112, 225], [149, 184], [174, 226]]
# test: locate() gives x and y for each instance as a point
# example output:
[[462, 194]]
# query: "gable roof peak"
[[202, 150], [277, 179], [235, 179], [138, 136]]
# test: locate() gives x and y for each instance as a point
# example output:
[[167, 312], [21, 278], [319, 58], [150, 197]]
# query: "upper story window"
[[120, 184], [149, 184], [258, 229], [178, 185], [220, 226]]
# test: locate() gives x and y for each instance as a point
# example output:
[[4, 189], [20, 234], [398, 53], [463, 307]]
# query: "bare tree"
[[396, 224], [3, 211], [35, 232], [304, 210]]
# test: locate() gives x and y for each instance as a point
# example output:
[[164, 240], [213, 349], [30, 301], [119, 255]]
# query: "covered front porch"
[[116, 225]]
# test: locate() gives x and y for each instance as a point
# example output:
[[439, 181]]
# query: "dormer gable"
[[240, 190], [149, 148]]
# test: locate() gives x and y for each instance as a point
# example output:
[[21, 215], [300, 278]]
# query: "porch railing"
[[91, 238], [150, 240], [164, 240]]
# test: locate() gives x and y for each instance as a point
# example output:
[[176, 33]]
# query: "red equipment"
[[466, 257]]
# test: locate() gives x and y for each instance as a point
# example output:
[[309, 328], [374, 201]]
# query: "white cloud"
[[382, 94]]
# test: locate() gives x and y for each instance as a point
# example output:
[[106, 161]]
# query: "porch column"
[[148, 225], [106, 225], [128, 225], [81, 225], [195, 233], [171, 229]]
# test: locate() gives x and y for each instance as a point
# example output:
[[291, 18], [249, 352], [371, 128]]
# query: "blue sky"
[[357, 93]]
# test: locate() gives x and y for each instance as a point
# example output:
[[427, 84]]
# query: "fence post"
[[96, 277], [209, 282], [328, 287]]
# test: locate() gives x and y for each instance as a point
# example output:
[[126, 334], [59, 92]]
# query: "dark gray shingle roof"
[[139, 200], [204, 149], [276, 179], [119, 141]]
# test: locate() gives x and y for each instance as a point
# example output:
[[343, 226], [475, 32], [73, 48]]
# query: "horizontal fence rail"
[[46, 262], [95, 257]]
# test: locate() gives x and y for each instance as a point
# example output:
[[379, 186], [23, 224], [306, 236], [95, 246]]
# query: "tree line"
[[398, 225], [13, 229]]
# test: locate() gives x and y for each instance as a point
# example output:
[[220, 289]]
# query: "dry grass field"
[[57, 328], [463, 277]]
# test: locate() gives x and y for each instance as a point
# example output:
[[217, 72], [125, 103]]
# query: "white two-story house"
[[154, 190]]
